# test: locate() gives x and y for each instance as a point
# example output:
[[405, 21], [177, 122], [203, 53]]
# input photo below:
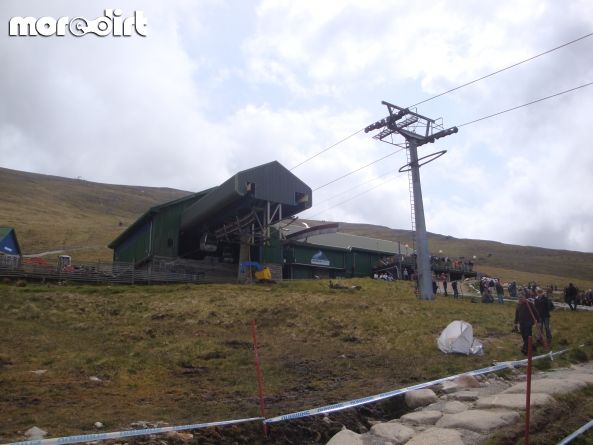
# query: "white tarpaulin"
[[458, 337]]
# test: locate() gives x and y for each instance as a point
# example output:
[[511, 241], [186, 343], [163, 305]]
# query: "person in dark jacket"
[[542, 305], [570, 296], [513, 289], [525, 317], [455, 290], [500, 292]]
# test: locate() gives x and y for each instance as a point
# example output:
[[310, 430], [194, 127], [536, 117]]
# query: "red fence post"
[[528, 389], [260, 380]]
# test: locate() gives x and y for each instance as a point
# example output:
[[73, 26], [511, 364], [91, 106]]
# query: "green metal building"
[[156, 233], [308, 254], [228, 224], [251, 217]]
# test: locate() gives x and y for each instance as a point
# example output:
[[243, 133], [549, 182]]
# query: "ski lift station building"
[[248, 218]]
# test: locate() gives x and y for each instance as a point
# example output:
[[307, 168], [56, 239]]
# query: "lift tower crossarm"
[[391, 107]]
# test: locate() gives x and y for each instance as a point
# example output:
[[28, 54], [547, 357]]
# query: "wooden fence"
[[160, 270]]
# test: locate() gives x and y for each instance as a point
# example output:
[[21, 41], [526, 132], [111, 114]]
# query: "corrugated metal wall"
[[304, 254], [162, 239], [165, 234], [136, 247], [271, 252], [274, 183], [355, 263]]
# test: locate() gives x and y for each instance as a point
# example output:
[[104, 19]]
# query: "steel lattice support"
[[415, 130]]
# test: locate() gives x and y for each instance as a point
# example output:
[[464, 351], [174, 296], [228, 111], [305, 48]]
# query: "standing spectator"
[[513, 289], [589, 298], [525, 318], [499, 292], [455, 291], [543, 306], [570, 296], [487, 296], [435, 286], [445, 284], [405, 274], [533, 287]]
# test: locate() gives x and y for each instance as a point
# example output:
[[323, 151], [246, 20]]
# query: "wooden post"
[[528, 389], [260, 380]]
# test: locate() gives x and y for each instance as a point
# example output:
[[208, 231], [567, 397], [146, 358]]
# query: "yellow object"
[[264, 274]]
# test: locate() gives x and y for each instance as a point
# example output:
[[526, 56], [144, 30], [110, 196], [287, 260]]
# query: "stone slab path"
[[467, 411]]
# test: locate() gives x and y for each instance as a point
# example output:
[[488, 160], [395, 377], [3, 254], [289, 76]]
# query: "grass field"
[[183, 354]]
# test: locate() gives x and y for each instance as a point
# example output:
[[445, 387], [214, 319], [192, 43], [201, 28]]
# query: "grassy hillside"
[[52, 213], [182, 354]]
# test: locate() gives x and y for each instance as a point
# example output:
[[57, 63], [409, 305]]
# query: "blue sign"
[[319, 259]]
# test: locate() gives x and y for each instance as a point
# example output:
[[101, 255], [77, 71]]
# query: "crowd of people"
[[460, 264], [383, 276], [440, 282], [489, 287], [534, 307], [574, 297], [534, 304]]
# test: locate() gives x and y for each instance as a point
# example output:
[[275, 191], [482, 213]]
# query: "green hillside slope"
[[53, 213]]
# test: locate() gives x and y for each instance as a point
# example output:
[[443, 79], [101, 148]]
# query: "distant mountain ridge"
[[51, 213]]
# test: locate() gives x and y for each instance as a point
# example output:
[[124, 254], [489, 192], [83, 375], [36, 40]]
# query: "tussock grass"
[[184, 354]]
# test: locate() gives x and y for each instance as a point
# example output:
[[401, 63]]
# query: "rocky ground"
[[466, 411], [469, 410]]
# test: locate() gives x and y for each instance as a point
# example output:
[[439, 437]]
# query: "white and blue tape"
[[286, 417], [130, 433], [370, 399], [577, 433]]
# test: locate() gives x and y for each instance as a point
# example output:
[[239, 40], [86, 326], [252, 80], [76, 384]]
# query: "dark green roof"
[[270, 182]]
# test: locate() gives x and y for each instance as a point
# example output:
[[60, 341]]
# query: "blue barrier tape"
[[577, 433], [130, 433], [297, 415], [382, 396]]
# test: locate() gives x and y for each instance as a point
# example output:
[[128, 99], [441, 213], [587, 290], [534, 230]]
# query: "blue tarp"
[[245, 264]]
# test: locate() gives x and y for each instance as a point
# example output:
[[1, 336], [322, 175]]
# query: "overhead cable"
[[354, 188], [524, 105], [461, 125], [454, 89], [504, 69], [354, 196], [358, 169], [326, 149]]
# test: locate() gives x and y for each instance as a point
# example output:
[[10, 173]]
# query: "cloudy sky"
[[219, 86]]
